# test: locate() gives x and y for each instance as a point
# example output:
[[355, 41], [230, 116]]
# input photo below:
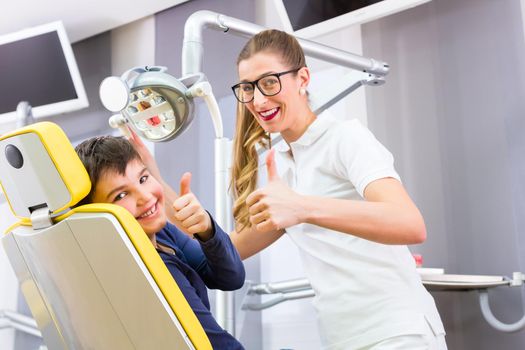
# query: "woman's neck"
[[299, 128]]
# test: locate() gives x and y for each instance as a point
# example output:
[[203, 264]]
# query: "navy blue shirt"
[[196, 265]]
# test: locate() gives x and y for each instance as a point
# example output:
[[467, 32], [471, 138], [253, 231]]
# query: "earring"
[[302, 91]]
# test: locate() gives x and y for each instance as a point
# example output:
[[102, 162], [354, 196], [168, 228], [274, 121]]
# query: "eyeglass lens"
[[268, 86]]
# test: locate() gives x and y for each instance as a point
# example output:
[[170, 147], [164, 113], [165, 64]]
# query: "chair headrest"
[[39, 167]]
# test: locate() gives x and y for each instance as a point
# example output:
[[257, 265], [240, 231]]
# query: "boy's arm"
[[223, 259], [216, 260]]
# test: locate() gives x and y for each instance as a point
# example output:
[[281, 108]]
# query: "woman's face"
[[282, 112]]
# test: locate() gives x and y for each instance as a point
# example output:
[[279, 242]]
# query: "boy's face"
[[137, 191]]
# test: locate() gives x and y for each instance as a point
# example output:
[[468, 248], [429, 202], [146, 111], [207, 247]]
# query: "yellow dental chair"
[[90, 275]]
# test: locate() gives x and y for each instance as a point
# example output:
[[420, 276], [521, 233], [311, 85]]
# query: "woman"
[[338, 197]]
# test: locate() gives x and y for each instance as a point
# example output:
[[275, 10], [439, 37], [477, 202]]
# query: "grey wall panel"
[[452, 113]]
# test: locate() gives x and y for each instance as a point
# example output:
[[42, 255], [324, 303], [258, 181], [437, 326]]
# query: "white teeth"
[[269, 112], [148, 213]]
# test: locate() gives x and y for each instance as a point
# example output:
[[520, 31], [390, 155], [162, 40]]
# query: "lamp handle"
[[203, 89], [118, 121]]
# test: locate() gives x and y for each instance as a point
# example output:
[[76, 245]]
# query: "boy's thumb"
[[185, 184]]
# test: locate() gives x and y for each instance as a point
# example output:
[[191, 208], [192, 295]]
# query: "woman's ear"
[[304, 77]]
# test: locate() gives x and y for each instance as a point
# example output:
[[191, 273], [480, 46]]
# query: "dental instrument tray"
[[443, 282]]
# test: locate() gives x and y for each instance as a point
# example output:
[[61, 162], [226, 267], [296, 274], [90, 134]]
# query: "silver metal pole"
[[24, 114], [9, 319], [280, 287], [300, 294], [224, 301], [19, 318]]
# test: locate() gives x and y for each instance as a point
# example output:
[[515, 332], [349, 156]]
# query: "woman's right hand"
[[275, 206], [145, 155]]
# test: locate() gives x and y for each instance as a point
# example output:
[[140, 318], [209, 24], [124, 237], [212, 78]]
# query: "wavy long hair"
[[248, 132]]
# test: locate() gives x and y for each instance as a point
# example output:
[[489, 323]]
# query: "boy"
[[118, 176]]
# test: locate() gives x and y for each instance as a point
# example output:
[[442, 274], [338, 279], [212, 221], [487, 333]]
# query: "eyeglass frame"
[[255, 84]]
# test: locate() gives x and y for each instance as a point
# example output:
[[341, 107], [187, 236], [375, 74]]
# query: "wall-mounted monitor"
[[313, 18], [37, 65]]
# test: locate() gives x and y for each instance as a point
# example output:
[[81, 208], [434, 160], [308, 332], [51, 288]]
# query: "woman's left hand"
[[145, 155], [275, 206]]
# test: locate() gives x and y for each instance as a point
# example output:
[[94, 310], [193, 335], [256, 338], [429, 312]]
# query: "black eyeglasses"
[[268, 85]]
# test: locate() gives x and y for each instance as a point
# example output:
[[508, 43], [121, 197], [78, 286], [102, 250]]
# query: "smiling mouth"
[[269, 114], [149, 213]]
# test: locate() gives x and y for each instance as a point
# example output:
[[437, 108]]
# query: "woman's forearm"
[[383, 222], [249, 241]]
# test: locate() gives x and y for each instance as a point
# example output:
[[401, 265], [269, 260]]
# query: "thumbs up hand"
[[189, 213], [275, 206]]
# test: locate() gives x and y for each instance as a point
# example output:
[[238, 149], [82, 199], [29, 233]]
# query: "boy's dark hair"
[[104, 153]]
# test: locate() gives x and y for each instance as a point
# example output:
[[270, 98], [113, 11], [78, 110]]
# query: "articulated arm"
[[192, 49]]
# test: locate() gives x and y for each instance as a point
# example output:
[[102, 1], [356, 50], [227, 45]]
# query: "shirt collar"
[[314, 132]]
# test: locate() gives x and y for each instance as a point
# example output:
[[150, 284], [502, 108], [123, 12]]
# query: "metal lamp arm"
[[192, 48], [23, 323], [203, 89]]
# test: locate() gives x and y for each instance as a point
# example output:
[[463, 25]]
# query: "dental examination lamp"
[[159, 107]]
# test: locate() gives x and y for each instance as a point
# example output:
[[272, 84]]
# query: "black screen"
[[34, 70], [305, 13]]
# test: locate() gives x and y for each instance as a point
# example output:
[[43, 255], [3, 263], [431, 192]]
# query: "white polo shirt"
[[365, 291]]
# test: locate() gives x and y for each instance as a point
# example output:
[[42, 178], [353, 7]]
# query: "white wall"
[[133, 45], [292, 324]]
